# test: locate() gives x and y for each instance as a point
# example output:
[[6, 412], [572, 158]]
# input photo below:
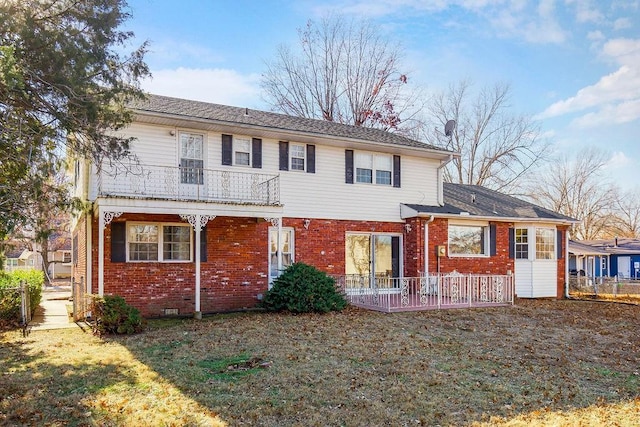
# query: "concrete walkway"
[[52, 312]]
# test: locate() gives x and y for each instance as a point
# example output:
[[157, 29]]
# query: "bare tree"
[[578, 188], [496, 146], [343, 72], [627, 215]]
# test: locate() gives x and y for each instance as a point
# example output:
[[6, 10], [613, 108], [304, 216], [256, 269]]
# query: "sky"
[[572, 65]]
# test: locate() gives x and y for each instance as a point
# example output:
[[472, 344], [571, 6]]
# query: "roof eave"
[[489, 218], [434, 153]]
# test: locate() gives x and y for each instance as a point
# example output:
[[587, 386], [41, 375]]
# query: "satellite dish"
[[448, 128]]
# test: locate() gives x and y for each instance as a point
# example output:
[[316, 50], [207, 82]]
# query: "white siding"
[[323, 194], [536, 279]]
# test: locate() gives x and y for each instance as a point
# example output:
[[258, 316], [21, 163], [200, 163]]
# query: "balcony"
[[189, 184]]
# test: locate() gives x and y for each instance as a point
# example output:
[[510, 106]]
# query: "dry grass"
[[537, 363]]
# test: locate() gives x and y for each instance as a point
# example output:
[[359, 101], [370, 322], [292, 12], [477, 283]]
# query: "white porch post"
[[197, 222], [104, 219]]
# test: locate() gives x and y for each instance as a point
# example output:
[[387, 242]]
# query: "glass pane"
[[545, 247], [176, 243], [465, 240], [358, 254], [297, 151], [383, 177], [297, 164], [364, 161], [383, 163], [383, 262], [242, 159], [363, 175]]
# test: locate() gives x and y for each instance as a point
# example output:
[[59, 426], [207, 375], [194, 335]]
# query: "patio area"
[[437, 291]]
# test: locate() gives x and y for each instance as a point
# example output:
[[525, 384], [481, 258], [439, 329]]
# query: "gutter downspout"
[[426, 245], [441, 180]]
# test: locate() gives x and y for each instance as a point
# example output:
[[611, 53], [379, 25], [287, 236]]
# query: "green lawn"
[[539, 362]]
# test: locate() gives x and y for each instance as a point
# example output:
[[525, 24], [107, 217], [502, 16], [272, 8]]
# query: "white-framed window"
[[522, 243], [241, 152], [468, 240], [373, 168], [603, 263], [159, 242], [298, 156], [545, 243], [66, 257], [287, 246], [191, 158]]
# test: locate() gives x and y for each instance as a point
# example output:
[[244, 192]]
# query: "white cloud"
[[615, 98], [622, 24], [219, 86], [618, 160]]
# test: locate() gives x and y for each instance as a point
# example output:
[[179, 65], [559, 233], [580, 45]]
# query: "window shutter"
[[203, 244], [227, 150], [396, 171], [492, 240], [118, 242], [311, 158], [348, 166], [559, 241], [256, 153], [284, 156], [512, 243], [395, 256]]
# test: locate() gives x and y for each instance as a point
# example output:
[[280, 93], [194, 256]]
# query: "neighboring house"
[[606, 258], [219, 200], [22, 260]]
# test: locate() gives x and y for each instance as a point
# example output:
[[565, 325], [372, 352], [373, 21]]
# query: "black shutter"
[[203, 244], [348, 166], [311, 158], [396, 171], [559, 240], [284, 156], [512, 243], [492, 240], [118, 242], [256, 153], [227, 150], [395, 256]]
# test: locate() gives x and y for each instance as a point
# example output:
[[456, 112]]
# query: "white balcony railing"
[[176, 183], [427, 292]]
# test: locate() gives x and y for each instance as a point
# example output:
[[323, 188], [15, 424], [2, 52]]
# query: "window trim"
[[203, 151], [292, 250], [234, 145], [304, 157], [160, 242], [486, 239]]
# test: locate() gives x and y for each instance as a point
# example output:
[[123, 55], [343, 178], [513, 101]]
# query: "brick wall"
[[235, 273]]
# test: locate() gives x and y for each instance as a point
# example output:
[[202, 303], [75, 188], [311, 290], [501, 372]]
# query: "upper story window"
[[297, 157], [241, 151], [372, 168], [545, 243], [191, 158], [468, 239]]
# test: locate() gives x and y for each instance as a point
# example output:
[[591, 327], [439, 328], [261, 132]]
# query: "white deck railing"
[[175, 183], [428, 292]]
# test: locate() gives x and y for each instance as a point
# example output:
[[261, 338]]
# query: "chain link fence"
[[609, 288]]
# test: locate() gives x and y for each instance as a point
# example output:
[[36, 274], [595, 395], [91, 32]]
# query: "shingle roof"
[[619, 246], [483, 202], [263, 119]]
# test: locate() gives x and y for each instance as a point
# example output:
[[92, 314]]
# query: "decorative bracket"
[[193, 220], [274, 221], [108, 217]]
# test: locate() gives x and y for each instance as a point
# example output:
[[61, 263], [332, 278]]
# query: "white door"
[[624, 266]]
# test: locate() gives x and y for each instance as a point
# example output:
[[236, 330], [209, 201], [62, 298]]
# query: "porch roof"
[[617, 246], [580, 249], [474, 201]]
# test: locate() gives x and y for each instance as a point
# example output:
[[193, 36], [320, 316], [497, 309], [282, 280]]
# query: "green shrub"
[[302, 288], [10, 300], [113, 315]]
